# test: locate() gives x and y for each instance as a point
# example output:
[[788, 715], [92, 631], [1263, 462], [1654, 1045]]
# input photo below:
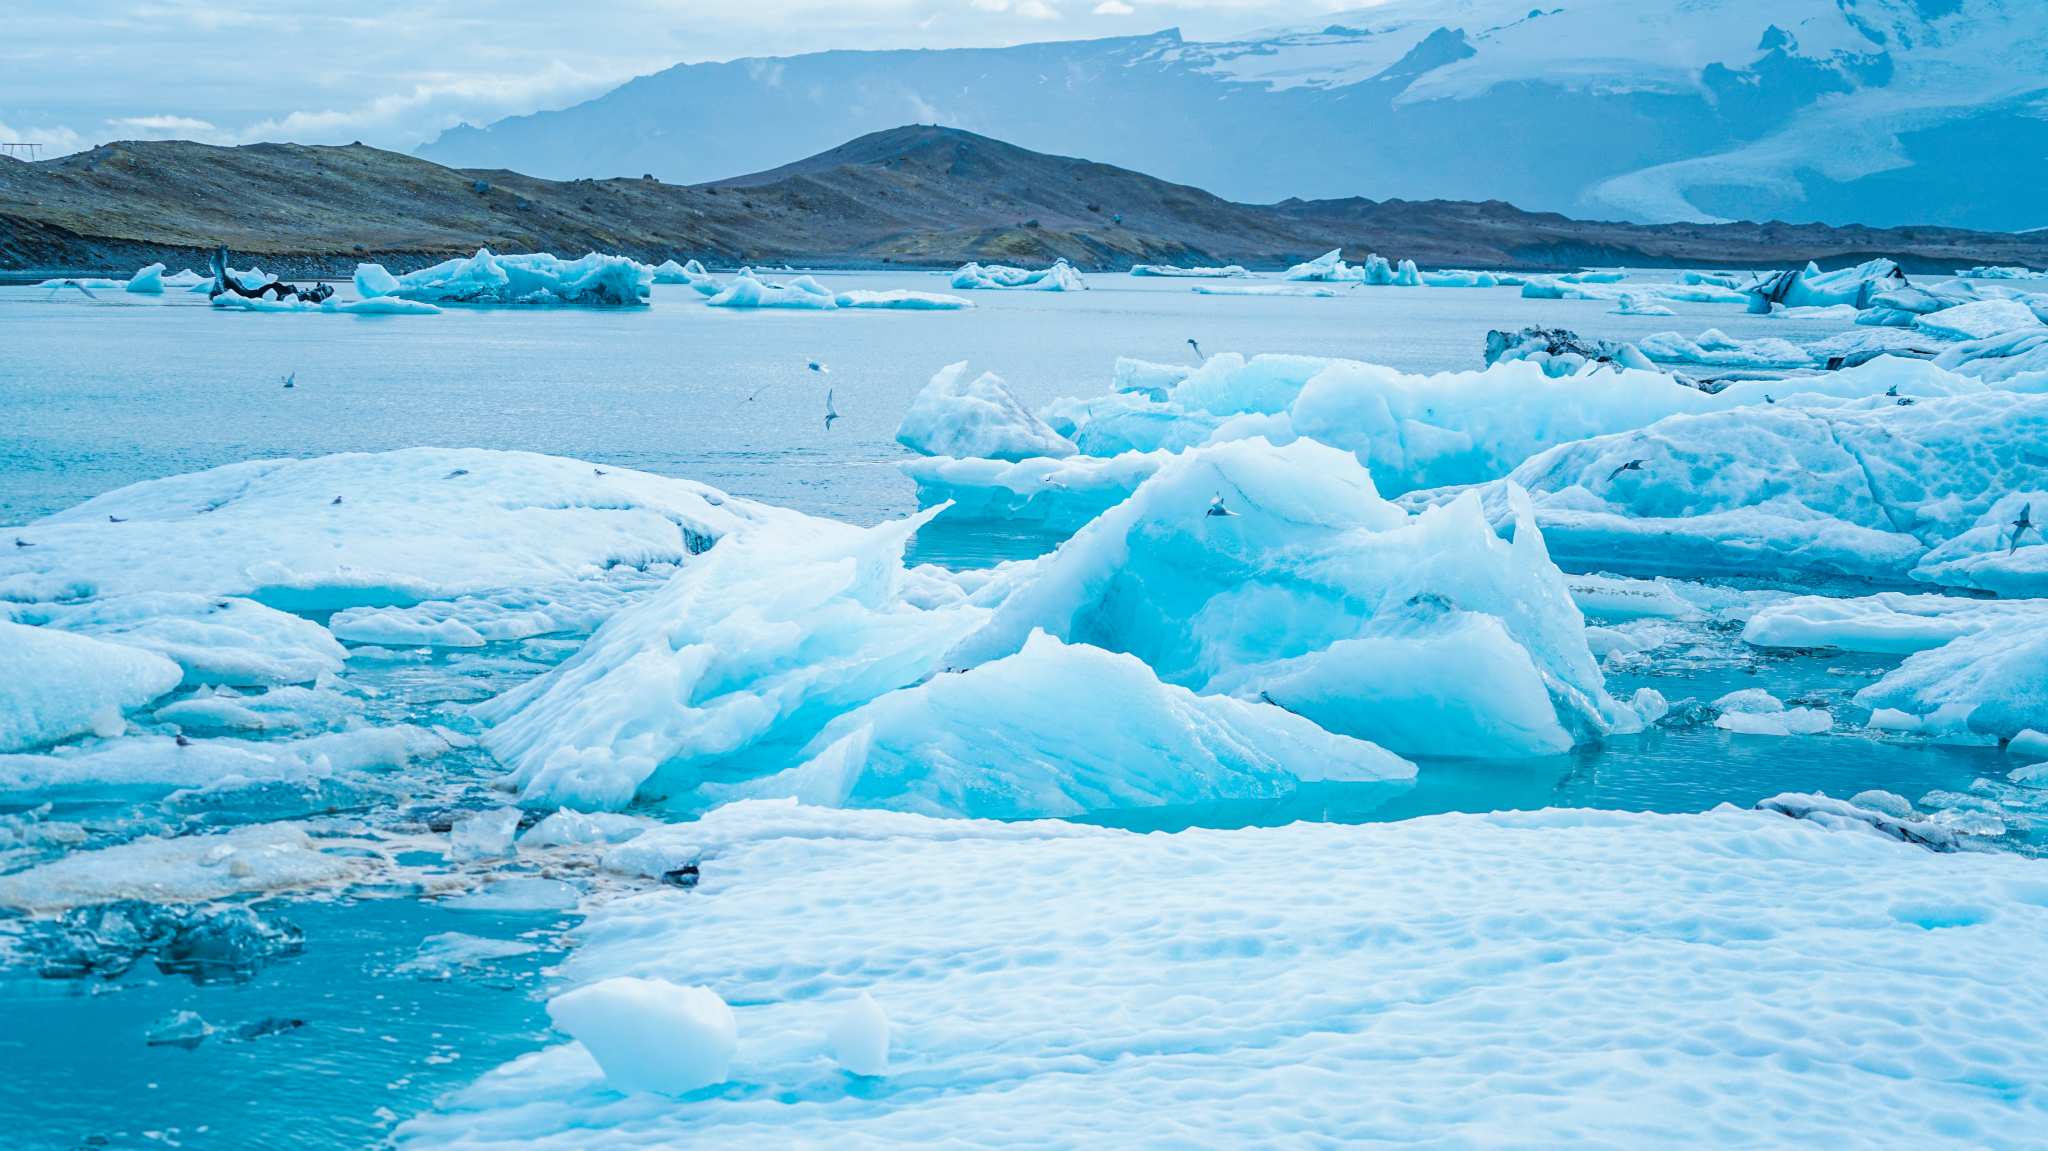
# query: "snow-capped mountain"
[[1875, 111]]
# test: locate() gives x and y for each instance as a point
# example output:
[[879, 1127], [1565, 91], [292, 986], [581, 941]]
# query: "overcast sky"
[[393, 73]]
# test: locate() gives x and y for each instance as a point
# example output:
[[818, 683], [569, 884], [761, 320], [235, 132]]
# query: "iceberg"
[[1860, 488], [1889, 623], [747, 292], [216, 640], [55, 685], [1559, 288], [1330, 266], [539, 279], [1982, 272], [1061, 730], [901, 299], [957, 417], [576, 608], [2017, 359], [1978, 321], [736, 662], [1990, 681], [1279, 574], [147, 281], [371, 530], [1226, 273], [692, 273], [1811, 287], [1712, 347], [1058, 278]]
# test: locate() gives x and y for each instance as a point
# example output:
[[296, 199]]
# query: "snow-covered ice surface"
[[1563, 978], [338, 696]]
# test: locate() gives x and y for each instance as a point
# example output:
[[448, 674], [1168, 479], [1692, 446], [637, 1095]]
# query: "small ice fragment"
[[2035, 775], [181, 1029], [650, 1034], [485, 835], [1650, 704], [860, 1039]]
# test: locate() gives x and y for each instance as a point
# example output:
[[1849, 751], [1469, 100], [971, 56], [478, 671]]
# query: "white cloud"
[[992, 5], [180, 126], [58, 141], [1113, 8], [1037, 10]]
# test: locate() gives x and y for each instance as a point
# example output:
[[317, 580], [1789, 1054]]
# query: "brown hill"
[[921, 196]]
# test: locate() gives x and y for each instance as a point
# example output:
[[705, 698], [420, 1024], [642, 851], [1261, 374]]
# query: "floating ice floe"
[[1712, 347], [901, 299], [1261, 290], [1278, 574], [1226, 273], [1983, 272], [1863, 488], [55, 685], [1458, 278], [596, 280], [215, 639], [264, 857], [1330, 266], [961, 417], [1058, 278], [1758, 712], [1038, 969], [1060, 730], [1988, 682], [150, 767], [1889, 623], [1979, 321], [1631, 306], [574, 608], [390, 528], [1811, 287], [147, 281], [745, 291], [1562, 288], [759, 642]]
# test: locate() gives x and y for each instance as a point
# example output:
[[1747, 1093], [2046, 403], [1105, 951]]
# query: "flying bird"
[[1198, 350], [1216, 507], [288, 379], [72, 284], [1631, 466], [22, 543], [116, 520], [456, 472], [2019, 527], [818, 367], [1892, 391], [757, 392], [1768, 399], [831, 413]]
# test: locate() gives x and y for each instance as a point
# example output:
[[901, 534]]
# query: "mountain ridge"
[[915, 195]]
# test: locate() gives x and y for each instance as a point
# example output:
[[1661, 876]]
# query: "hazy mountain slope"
[[1883, 111]]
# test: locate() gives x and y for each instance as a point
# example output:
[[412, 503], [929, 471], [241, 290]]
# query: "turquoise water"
[[377, 1043], [102, 394]]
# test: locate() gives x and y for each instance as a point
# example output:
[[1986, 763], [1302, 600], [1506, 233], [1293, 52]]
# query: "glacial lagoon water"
[[102, 393]]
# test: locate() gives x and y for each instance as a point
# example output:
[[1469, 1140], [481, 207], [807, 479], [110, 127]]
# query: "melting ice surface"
[[352, 799]]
